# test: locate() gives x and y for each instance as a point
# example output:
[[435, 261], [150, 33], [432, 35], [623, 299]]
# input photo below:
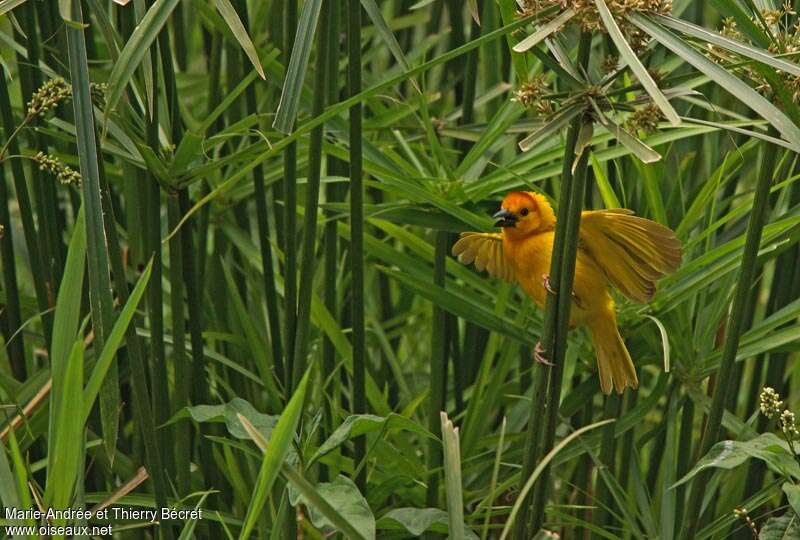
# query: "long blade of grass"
[[531, 480], [240, 33], [730, 83], [296, 71], [279, 443], [544, 31], [113, 342], [97, 246], [748, 51], [633, 62], [135, 49]]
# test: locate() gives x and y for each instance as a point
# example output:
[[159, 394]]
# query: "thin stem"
[[734, 329], [311, 207], [537, 436], [357, 228]]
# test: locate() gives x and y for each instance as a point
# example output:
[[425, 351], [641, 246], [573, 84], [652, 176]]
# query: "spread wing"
[[632, 251], [486, 251]]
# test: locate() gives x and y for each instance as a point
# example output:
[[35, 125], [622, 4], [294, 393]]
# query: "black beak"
[[505, 218]]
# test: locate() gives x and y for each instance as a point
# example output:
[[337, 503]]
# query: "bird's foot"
[[547, 285], [538, 354]]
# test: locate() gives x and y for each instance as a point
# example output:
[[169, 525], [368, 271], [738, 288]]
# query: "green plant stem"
[[179, 360], [734, 329], [308, 261], [142, 412], [45, 299], [603, 497], [357, 229], [264, 234], [333, 194], [155, 292], [544, 408], [290, 214], [12, 314], [436, 395], [44, 190], [97, 248]]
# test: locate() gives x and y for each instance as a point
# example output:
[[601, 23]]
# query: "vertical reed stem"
[[734, 329], [357, 228], [538, 439]]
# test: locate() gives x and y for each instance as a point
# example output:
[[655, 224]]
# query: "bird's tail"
[[613, 360]]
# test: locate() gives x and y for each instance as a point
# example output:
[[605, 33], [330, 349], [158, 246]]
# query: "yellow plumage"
[[615, 248]]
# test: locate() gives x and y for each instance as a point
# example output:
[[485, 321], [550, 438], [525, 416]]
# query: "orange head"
[[525, 212]]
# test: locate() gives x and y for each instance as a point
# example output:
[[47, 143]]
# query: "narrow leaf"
[[240, 33], [544, 31], [630, 58]]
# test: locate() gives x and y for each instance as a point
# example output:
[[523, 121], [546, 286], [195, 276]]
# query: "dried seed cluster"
[[532, 95], [58, 168], [786, 41], [589, 19], [645, 119]]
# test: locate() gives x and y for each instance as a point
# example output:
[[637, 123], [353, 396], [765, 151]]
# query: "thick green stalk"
[[603, 497], [44, 298], [264, 234], [44, 188], [309, 262], [734, 329], [684, 456], [436, 395], [142, 412], [97, 248], [180, 362], [537, 436], [289, 214], [357, 228], [559, 345], [12, 316], [333, 193], [155, 292]]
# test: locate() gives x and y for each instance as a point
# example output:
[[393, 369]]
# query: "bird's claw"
[[547, 285], [538, 354]]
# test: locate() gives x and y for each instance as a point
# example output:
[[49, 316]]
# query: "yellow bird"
[[615, 248]]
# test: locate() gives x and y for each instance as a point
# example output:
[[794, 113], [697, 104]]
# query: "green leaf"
[[240, 33], [113, 342], [279, 445], [229, 414], [522, 495], [792, 492], [638, 148], [375, 15], [730, 83], [65, 464], [785, 527], [342, 495], [452, 478], [417, 521], [767, 447], [8, 5], [135, 49], [759, 55], [361, 424], [544, 31], [296, 71], [630, 58], [552, 128]]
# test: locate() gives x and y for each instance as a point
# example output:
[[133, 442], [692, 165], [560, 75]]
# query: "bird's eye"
[[524, 212]]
